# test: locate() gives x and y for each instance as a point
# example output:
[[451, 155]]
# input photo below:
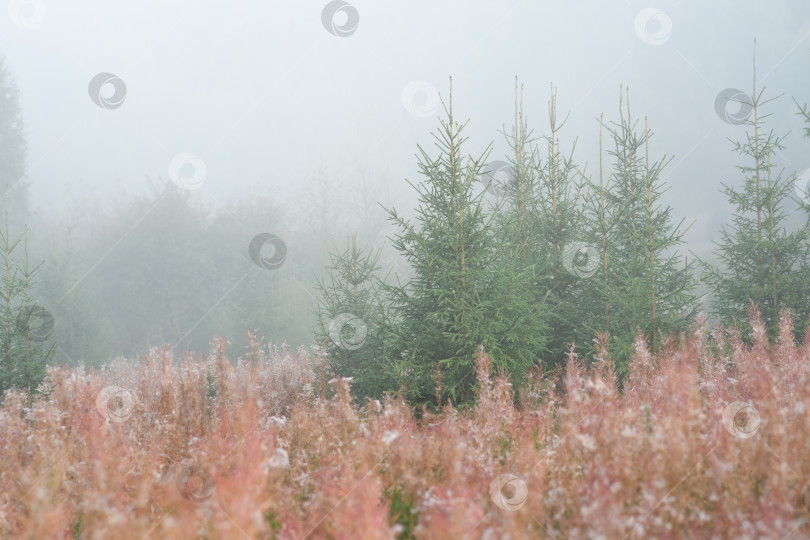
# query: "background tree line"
[[103, 279]]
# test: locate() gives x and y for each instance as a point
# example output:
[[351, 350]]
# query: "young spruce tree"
[[640, 281], [543, 210], [24, 325], [765, 261], [468, 287], [349, 321]]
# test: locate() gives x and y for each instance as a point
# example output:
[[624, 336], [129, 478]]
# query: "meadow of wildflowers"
[[710, 438]]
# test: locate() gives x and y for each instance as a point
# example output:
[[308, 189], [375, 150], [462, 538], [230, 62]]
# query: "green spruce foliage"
[[349, 320], [640, 282], [543, 217], [764, 259], [24, 325], [469, 287]]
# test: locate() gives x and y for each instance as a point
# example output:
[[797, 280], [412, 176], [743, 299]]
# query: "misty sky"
[[265, 95]]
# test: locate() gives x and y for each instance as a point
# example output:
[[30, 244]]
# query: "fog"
[[268, 102]]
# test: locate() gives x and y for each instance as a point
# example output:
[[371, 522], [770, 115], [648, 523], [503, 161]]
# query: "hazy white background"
[[266, 96]]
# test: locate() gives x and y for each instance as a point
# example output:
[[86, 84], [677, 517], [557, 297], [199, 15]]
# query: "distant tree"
[[82, 332], [349, 317], [150, 268], [803, 181], [763, 261], [25, 326], [275, 302], [467, 288], [13, 149]]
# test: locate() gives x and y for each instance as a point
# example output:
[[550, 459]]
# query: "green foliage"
[[403, 512], [24, 325], [349, 322], [804, 112], [542, 215], [765, 261], [642, 283], [273, 522], [467, 288]]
